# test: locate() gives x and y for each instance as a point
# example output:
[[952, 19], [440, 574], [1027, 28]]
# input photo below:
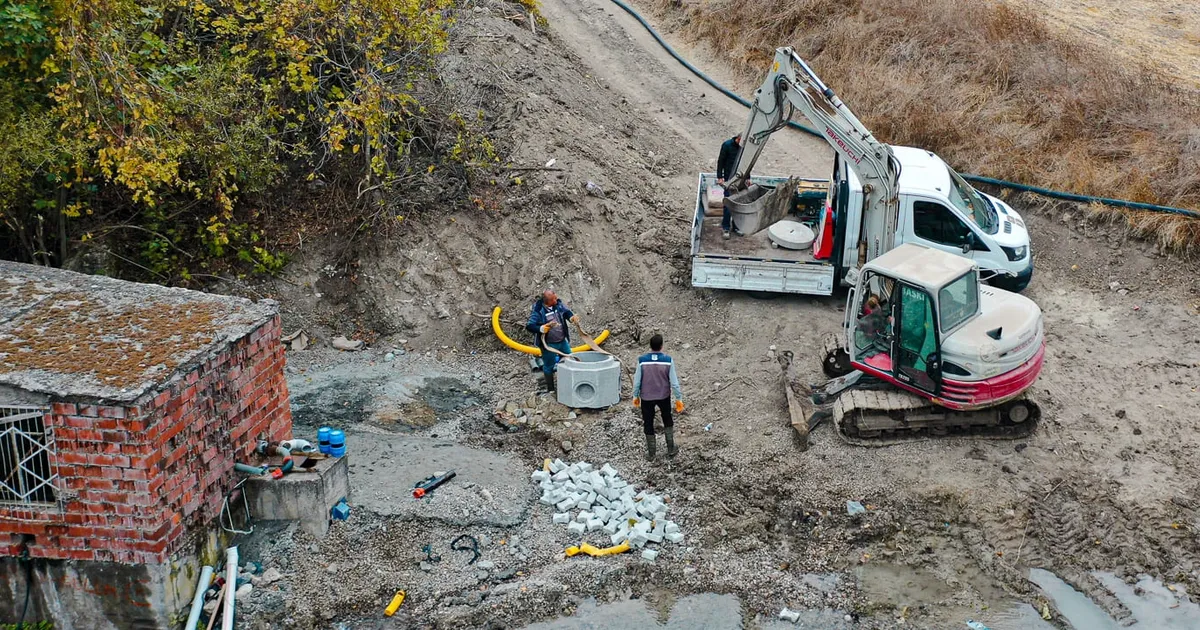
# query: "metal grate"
[[26, 447]]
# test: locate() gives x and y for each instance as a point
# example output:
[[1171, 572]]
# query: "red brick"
[[112, 412]]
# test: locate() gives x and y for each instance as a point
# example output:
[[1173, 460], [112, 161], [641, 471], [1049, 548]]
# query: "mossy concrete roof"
[[75, 336]]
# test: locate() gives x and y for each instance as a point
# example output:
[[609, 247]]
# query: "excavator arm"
[[793, 86]]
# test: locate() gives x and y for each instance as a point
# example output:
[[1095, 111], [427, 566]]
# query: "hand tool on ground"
[[426, 485]]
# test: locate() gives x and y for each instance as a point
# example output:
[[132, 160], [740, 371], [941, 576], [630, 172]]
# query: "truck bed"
[[755, 247]]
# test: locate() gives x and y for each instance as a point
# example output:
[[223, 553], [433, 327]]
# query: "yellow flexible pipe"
[[537, 352], [595, 551]]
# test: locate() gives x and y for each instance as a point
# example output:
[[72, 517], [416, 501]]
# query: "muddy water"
[[1151, 603]]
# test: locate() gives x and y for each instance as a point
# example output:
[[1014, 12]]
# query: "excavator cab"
[[927, 347]]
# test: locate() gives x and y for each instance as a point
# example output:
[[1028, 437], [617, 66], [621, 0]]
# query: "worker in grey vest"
[[654, 383]]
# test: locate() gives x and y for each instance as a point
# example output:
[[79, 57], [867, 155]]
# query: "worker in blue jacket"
[[656, 381], [548, 323]]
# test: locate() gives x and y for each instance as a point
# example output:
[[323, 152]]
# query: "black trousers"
[[648, 414]]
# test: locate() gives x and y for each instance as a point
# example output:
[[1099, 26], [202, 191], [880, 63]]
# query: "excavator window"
[[958, 301], [918, 344], [873, 324]]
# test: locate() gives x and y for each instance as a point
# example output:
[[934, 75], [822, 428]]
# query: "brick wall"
[[139, 482]]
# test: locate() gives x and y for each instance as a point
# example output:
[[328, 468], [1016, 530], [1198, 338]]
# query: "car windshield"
[[971, 203], [959, 300]]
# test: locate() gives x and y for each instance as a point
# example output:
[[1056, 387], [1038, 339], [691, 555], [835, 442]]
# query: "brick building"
[[123, 408]]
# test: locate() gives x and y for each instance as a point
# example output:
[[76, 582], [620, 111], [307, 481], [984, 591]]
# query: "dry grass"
[[988, 87]]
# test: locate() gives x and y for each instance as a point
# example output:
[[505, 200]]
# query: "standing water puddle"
[[1151, 604]]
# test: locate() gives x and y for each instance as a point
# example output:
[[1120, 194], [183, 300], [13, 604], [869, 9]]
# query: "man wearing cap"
[[548, 323]]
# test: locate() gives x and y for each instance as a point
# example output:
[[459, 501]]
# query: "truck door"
[[933, 224], [916, 340]]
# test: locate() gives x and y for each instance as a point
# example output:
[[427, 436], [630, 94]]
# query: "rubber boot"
[[650, 448], [671, 450], [549, 382]]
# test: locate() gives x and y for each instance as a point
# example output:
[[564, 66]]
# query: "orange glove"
[[678, 406], [637, 402]]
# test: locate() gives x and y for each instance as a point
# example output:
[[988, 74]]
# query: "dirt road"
[[953, 525]]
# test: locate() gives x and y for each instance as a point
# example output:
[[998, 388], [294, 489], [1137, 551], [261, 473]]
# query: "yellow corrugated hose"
[[537, 352]]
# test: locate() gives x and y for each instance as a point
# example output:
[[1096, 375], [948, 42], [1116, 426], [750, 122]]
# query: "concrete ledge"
[[301, 496]]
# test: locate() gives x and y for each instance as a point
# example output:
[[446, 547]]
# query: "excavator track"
[[883, 416]]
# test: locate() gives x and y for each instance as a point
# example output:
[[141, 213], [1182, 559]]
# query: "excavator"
[[927, 348]]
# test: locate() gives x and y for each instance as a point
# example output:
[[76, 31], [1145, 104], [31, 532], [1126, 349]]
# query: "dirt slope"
[[1106, 483]]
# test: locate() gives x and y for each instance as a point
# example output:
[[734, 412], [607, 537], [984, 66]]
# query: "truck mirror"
[[970, 242]]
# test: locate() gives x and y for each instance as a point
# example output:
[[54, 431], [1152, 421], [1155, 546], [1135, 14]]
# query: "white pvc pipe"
[[198, 599], [231, 575]]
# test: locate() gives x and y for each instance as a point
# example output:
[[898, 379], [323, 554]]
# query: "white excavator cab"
[[921, 319]]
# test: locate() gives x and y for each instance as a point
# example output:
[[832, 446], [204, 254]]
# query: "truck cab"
[[939, 209]]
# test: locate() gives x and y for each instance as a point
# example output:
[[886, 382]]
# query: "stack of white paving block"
[[599, 503]]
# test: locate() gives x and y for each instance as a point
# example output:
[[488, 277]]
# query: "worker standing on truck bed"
[[657, 380], [548, 323], [726, 164]]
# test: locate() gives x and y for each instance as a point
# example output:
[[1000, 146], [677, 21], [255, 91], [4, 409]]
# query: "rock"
[[1020, 447], [486, 565], [243, 591], [389, 357], [332, 568], [342, 343], [567, 446], [481, 575], [507, 574], [425, 566], [1120, 413], [271, 576], [572, 415], [1137, 431], [1007, 469]]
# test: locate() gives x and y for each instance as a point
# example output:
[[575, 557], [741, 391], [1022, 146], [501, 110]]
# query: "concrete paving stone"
[[601, 513], [603, 500], [654, 537], [660, 516], [650, 554], [584, 485], [618, 537], [570, 486], [637, 539], [607, 470], [576, 528], [584, 516], [561, 475], [675, 537], [610, 528], [566, 504], [540, 476], [585, 467], [669, 527], [595, 524], [562, 518], [557, 465]]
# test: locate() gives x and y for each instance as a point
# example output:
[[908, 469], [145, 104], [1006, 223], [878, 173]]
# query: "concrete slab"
[[385, 467], [301, 496]]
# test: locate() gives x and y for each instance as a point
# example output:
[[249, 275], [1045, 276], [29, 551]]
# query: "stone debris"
[[610, 511], [342, 343]]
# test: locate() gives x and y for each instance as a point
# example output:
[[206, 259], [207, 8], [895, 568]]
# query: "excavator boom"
[[792, 86]]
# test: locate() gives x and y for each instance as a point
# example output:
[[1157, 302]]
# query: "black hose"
[[1045, 192]]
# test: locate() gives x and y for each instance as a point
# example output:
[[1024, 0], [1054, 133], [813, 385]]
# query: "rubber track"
[[844, 407]]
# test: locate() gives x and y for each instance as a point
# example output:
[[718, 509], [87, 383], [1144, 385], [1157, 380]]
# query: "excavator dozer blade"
[[758, 208]]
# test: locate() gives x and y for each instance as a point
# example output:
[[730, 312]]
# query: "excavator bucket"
[[758, 208], [803, 413]]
